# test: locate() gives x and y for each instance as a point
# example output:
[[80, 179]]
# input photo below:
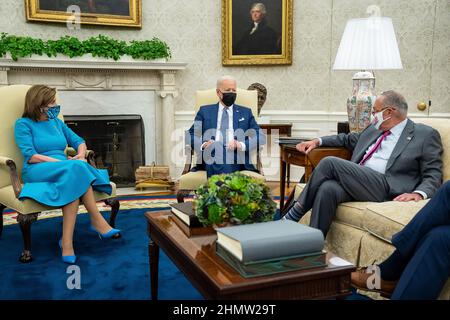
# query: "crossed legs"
[[97, 220], [70, 215], [69, 218], [335, 181]]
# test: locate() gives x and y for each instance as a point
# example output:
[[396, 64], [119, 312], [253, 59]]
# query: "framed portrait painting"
[[257, 32], [124, 13]]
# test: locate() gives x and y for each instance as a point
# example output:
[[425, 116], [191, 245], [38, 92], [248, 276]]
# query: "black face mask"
[[228, 98]]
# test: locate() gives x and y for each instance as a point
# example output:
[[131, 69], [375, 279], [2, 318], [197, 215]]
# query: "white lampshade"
[[368, 44]]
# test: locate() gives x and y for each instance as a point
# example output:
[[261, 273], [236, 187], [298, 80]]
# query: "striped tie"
[[224, 125], [374, 148]]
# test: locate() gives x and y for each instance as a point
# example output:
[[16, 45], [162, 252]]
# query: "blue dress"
[[59, 183]]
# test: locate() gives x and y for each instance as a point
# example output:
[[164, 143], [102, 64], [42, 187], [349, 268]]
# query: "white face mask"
[[377, 119]]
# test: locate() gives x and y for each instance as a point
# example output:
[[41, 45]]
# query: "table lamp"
[[367, 44]]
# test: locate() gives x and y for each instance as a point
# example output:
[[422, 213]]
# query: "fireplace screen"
[[118, 143]]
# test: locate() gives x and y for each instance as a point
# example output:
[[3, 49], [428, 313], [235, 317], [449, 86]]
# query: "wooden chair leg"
[[115, 206], [181, 194], [290, 200], [288, 174], [2, 207], [25, 221], [288, 205]]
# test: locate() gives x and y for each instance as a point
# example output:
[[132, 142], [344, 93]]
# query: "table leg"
[[288, 174], [282, 182], [153, 254]]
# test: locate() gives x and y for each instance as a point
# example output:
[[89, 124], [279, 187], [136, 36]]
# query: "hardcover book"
[[267, 267], [192, 231], [185, 211], [270, 240]]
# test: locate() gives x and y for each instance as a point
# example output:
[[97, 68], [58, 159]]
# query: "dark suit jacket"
[[263, 41], [204, 129], [415, 162]]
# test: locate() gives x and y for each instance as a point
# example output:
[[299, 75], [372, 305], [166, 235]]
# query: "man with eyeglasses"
[[392, 159], [225, 133]]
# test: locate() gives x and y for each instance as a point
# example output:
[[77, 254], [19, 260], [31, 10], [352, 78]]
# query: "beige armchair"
[[12, 99], [190, 181]]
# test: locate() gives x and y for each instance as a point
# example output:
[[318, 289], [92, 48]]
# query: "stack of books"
[[270, 247], [185, 218]]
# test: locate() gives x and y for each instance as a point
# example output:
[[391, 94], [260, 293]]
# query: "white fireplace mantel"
[[99, 74], [89, 62]]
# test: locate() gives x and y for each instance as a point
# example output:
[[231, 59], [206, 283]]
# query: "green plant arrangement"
[[233, 198], [98, 46]]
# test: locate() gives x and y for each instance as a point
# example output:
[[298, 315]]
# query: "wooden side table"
[[284, 130], [290, 155]]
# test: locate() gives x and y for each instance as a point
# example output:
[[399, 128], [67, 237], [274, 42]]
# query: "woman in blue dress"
[[52, 178]]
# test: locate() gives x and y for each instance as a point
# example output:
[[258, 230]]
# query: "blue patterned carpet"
[[110, 269]]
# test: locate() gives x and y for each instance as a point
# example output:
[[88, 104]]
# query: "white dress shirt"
[[230, 131], [378, 161]]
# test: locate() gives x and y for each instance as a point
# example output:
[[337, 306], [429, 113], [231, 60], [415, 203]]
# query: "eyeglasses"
[[376, 111]]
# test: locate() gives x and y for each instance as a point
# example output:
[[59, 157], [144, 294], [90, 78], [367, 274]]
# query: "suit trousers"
[[335, 181], [425, 243]]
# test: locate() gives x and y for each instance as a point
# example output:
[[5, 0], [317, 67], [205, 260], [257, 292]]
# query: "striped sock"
[[295, 213]]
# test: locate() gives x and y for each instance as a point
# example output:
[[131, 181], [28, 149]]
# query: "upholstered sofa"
[[361, 231]]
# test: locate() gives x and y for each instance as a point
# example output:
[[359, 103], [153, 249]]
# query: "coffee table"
[[215, 279]]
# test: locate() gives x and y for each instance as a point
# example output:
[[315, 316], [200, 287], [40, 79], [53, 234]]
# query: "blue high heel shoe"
[[67, 259], [111, 233]]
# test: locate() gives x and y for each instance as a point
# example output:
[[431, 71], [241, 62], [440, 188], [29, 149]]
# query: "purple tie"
[[374, 148]]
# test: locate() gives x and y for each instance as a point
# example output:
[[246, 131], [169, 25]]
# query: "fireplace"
[[118, 142], [96, 86]]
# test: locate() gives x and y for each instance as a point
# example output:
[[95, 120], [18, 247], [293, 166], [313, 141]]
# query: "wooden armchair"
[[12, 100], [190, 181]]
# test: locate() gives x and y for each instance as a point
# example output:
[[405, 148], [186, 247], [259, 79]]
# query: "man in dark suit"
[[259, 38], [420, 265], [393, 158], [224, 134]]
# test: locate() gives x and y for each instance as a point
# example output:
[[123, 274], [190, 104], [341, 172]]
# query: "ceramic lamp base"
[[360, 103]]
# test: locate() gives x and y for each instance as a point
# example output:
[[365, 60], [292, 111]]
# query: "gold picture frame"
[[268, 43], [123, 13]]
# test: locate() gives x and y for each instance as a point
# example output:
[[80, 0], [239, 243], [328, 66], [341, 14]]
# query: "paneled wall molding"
[[90, 80], [4, 76]]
